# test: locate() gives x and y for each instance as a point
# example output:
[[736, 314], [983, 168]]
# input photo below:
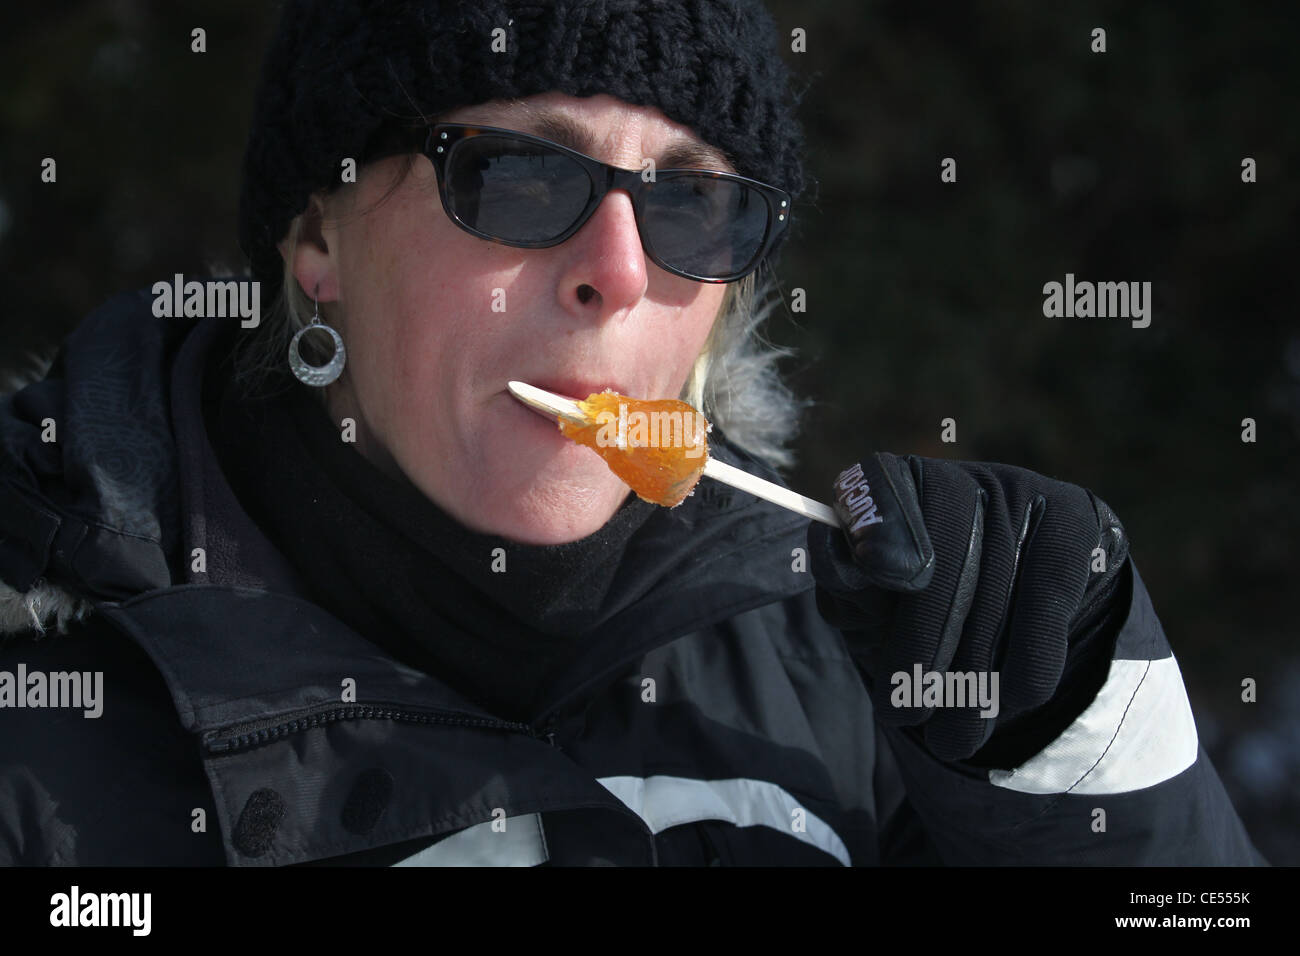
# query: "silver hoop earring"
[[317, 375]]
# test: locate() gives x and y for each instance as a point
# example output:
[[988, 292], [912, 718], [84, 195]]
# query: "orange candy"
[[658, 448]]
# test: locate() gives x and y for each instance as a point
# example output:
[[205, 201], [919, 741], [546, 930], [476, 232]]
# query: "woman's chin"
[[543, 496], [527, 482], [542, 525], [560, 510]]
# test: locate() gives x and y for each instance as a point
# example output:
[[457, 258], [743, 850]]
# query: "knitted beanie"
[[338, 71]]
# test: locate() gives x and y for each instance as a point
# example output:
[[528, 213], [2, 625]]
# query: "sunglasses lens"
[[703, 225], [515, 191]]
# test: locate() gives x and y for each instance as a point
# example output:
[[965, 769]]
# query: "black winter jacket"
[[721, 721]]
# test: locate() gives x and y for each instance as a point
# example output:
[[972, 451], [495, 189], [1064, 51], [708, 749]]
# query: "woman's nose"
[[607, 270]]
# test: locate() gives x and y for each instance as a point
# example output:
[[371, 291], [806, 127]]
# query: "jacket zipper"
[[245, 736], [548, 733]]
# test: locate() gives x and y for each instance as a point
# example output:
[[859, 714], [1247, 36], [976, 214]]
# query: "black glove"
[[973, 567]]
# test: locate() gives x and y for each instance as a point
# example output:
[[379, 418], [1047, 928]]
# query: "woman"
[[334, 596]]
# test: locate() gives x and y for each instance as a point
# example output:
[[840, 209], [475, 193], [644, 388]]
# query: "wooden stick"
[[769, 491], [548, 403], [552, 405]]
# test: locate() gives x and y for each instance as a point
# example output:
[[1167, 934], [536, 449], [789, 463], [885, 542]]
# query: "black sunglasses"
[[525, 191]]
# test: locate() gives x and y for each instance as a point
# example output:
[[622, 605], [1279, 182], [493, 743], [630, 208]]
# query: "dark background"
[[924, 299]]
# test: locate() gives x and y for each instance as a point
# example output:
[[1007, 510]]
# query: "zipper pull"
[[549, 732]]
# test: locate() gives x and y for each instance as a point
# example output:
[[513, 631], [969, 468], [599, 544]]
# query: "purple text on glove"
[[855, 495]]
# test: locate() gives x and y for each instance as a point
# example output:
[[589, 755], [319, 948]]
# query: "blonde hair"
[[735, 380]]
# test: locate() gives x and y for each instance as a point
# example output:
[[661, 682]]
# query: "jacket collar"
[[232, 656]]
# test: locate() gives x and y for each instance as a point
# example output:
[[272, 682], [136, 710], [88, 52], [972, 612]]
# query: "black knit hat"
[[338, 71]]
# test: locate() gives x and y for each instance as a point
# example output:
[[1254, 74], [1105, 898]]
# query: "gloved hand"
[[973, 567]]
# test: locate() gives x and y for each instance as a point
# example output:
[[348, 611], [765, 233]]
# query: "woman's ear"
[[312, 243]]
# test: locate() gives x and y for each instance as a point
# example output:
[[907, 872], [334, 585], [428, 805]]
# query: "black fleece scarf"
[[384, 559]]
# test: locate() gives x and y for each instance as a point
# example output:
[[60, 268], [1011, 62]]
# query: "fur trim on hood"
[[43, 605], [93, 513], [40, 608]]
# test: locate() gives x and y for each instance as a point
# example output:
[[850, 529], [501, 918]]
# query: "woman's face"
[[437, 321]]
